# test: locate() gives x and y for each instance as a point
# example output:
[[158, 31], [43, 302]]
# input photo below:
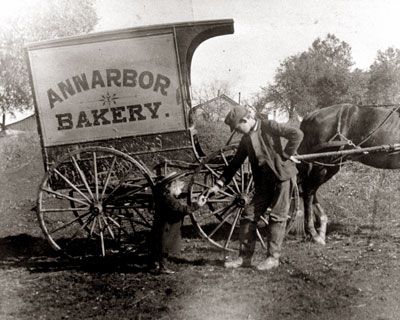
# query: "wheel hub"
[[243, 200], [97, 208]]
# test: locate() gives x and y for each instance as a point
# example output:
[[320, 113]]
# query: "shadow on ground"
[[36, 255]]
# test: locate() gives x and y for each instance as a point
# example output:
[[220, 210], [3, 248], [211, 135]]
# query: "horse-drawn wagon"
[[112, 107], [114, 113]]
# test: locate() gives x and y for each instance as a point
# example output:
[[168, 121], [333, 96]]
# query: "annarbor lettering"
[[110, 77], [106, 116]]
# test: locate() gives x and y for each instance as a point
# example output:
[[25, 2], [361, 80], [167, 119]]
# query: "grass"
[[360, 196], [213, 135], [18, 149]]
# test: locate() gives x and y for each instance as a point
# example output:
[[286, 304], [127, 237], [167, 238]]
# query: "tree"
[[206, 92], [358, 87], [332, 70], [316, 78], [54, 19], [384, 81]]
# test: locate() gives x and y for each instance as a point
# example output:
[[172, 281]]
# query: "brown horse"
[[342, 127]]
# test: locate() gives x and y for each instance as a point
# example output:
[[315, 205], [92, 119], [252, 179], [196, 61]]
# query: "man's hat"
[[235, 115]]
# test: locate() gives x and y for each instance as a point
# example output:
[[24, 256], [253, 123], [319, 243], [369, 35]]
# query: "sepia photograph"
[[199, 160]]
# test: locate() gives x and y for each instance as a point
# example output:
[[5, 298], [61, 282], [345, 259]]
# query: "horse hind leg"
[[322, 220], [318, 177]]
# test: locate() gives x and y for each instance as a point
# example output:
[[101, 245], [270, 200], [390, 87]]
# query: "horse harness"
[[341, 141]]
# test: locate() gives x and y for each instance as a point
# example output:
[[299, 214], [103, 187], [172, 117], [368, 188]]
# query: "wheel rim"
[[219, 220], [95, 201]]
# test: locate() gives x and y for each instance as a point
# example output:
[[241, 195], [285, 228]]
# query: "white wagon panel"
[[108, 89]]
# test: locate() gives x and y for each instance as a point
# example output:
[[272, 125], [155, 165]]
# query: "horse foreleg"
[[309, 220]]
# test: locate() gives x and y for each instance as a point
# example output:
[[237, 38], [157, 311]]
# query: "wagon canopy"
[[116, 85]]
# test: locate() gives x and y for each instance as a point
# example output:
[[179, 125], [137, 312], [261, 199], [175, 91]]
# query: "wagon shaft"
[[383, 148]]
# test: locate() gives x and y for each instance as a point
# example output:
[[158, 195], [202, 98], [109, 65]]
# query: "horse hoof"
[[319, 240]]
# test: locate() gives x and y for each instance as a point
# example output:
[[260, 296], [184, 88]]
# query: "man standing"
[[274, 173]]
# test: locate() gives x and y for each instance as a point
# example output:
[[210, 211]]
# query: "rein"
[[343, 140], [380, 126]]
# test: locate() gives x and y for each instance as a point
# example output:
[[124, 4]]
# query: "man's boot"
[[276, 235], [247, 238]]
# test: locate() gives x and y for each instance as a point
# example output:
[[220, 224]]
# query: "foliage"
[[56, 18], [316, 78], [384, 81], [358, 87]]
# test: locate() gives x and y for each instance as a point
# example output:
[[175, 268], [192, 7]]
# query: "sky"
[[266, 32]]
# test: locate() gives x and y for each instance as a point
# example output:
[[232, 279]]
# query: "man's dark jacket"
[[264, 148]]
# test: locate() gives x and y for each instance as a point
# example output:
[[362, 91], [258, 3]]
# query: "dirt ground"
[[355, 276]]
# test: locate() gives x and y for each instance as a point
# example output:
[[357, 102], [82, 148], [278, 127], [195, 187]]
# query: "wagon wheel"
[[218, 221], [95, 201]]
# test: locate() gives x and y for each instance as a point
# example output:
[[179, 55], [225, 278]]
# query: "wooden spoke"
[[69, 223], [103, 248], [143, 218], [92, 227], [82, 175], [82, 227], [219, 201], [233, 179], [220, 224], [130, 215], [144, 224], [264, 220], [239, 211], [220, 191], [65, 196], [118, 225], [96, 180], [249, 185], [121, 182], [217, 176], [261, 239], [65, 209], [108, 227], [242, 174], [224, 210], [131, 193], [108, 176], [71, 185]]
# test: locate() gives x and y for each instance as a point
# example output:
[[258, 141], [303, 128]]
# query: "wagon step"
[[382, 148]]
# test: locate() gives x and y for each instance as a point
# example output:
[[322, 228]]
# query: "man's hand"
[[217, 186], [213, 189], [293, 158]]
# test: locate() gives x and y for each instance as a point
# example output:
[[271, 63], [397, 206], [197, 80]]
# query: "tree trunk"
[[3, 122]]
